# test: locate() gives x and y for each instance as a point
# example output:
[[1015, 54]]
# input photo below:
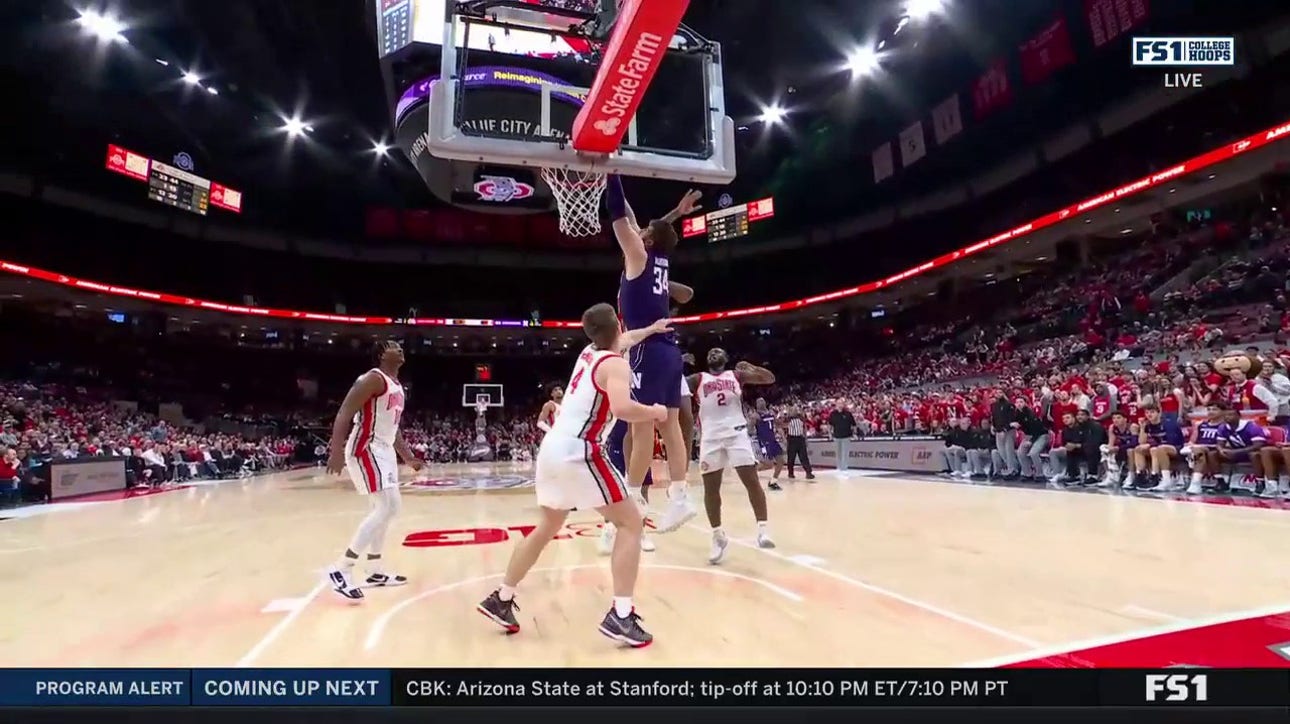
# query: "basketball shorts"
[[771, 449], [726, 452], [657, 373], [373, 469], [573, 474], [685, 387]]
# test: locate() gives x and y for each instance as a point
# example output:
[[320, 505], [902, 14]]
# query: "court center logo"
[[502, 189], [467, 482]]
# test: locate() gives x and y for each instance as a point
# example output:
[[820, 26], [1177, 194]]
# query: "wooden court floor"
[[870, 570]]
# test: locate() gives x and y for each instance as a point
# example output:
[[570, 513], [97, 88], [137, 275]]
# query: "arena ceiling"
[[216, 79]]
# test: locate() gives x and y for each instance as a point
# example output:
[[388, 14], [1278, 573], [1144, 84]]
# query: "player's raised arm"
[[625, 230], [680, 293], [750, 374], [631, 338], [614, 377], [365, 388]]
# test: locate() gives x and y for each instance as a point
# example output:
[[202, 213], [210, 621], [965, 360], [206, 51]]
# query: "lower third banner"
[[644, 687]]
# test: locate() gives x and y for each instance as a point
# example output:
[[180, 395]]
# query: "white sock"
[[347, 562], [677, 489], [718, 532], [1196, 478], [374, 565], [506, 592], [622, 606], [761, 526]]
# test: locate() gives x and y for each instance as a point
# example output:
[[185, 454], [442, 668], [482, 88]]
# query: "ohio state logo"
[[469, 482], [502, 189]]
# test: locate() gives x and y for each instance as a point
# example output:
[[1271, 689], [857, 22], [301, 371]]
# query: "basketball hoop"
[[577, 199]]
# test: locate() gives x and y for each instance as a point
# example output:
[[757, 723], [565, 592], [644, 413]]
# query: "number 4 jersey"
[[584, 412]]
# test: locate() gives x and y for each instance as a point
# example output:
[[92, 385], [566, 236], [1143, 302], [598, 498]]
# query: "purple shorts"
[[656, 373], [1241, 457]]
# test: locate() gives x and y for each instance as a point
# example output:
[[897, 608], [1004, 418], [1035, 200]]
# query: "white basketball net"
[[577, 199]]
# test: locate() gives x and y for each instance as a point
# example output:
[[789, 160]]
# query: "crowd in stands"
[[41, 424]]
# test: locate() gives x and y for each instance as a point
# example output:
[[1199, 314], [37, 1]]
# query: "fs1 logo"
[[502, 189], [1169, 52], [1177, 687]]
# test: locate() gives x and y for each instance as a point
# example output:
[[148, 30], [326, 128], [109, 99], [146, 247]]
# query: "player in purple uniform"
[[1160, 442], [643, 298], [1239, 441], [1120, 441], [1201, 453], [768, 443]]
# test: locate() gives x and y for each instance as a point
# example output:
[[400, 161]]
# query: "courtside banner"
[[903, 454], [71, 478], [644, 687]]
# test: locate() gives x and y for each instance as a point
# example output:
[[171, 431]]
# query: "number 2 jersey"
[[721, 408]]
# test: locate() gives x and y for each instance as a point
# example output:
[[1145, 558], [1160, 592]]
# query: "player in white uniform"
[[551, 408], [368, 423], [724, 442], [574, 473]]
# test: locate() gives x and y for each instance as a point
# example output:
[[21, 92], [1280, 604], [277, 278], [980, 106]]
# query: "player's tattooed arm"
[[630, 339], [405, 452], [365, 388], [750, 374], [680, 293]]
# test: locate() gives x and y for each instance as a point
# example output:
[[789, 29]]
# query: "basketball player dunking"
[[573, 473], [619, 442], [365, 439], [724, 442], [643, 297], [551, 408]]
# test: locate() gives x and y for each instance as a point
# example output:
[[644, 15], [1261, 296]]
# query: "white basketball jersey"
[[721, 407], [555, 412], [377, 422], [584, 411]]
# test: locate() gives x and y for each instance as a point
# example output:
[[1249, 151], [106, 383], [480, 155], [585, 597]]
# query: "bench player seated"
[[1240, 442], [1121, 441], [1161, 440], [1201, 451]]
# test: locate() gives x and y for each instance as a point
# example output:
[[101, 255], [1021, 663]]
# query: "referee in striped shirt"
[[796, 431]]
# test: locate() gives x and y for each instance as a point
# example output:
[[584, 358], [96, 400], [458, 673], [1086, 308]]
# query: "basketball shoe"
[[626, 630], [720, 542], [679, 511], [500, 612], [381, 580], [340, 583]]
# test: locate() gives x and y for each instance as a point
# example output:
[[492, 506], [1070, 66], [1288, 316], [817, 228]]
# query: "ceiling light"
[[920, 9], [773, 114], [161, 62], [191, 78], [380, 148], [103, 27], [900, 25], [294, 127], [211, 89], [862, 62]]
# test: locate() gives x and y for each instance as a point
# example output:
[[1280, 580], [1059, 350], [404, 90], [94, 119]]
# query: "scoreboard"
[[728, 223], [178, 188], [173, 186]]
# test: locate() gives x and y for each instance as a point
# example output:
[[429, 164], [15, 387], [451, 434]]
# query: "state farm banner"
[[912, 144], [1109, 19], [947, 119], [1046, 53], [993, 90], [884, 165], [916, 455]]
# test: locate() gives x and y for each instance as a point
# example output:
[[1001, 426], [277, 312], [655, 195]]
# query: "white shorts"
[[574, 474], [373, 469], [685, 387], [726, 452]]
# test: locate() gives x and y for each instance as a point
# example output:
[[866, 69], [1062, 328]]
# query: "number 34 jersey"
[[721, 409]]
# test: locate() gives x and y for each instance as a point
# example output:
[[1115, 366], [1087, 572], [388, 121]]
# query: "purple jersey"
[[644, 300], [1244, 434], [765, 427], [1165, 432], [1123, 437], [1207, 433]]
